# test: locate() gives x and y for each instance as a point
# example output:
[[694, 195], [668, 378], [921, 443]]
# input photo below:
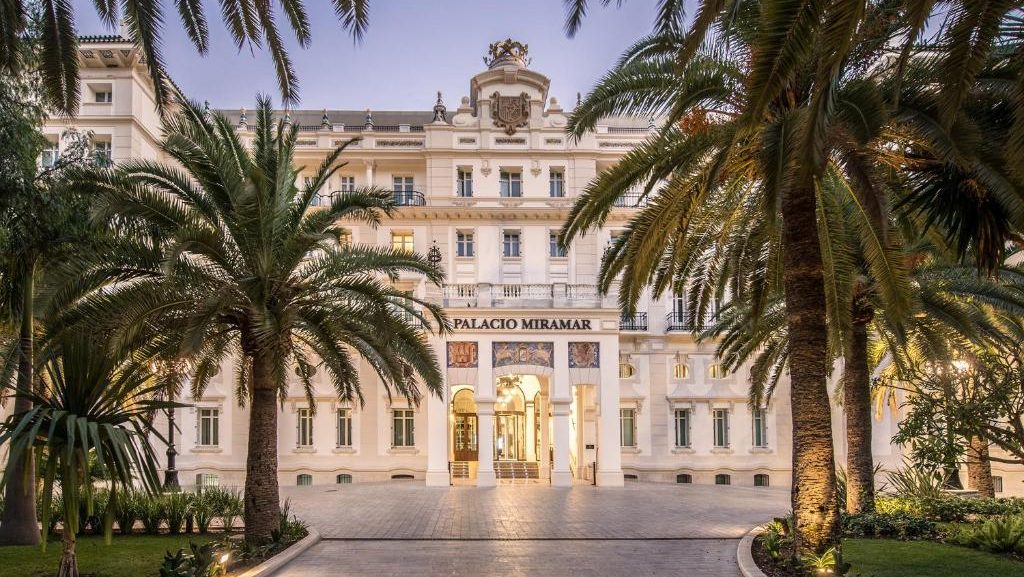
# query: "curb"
[[744, 558], [271, 566]]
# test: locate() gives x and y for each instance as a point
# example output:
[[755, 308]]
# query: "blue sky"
[[413, 48]]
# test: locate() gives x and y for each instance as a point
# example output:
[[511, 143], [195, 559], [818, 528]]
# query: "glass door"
[[509, 437], [465, 438]]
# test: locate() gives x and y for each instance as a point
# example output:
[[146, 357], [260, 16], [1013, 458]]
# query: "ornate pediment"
[[510, 112]]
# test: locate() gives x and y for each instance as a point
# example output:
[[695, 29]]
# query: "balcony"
[[408, 198], [637, 322], [633, 198], [681, 322], [554, 295]]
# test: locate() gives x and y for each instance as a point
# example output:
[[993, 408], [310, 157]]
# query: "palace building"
[[546, 381]]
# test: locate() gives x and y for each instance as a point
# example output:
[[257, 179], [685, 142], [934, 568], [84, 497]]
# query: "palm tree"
[[95, 405], [250, 23], [248, 270]]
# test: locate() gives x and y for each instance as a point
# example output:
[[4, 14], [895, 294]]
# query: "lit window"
[[464, 244], [402, 428], [343, 479], [723, 479], [626, 370], [304, 480], [555, 249], [348, 184], [760, 480], [50, 155], [716, 371], [345, 238], [207, 480], [464, 183], [304, 428], [344, 427], [511, 184], [510, 245], [627, 427], [556, 183], [402, 241], [684, 478], [209, 427], [997, 483], [760, 424], [103, 153], [680, 370], [104, 96], [721, 422], [682, 421]]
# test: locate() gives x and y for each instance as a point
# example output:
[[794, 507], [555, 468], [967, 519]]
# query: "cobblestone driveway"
[[531, 530]]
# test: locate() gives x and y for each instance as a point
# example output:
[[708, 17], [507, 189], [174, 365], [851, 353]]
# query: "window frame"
[[685, 416], [556, 182], [407, 419], [510, 183], [554, 249], [52, 149], [213, 418], [403, 241], [465, 244], [511, 239], [304, 416], [343, 421], [759, 428], [109, 96], [627, 414], [720, 418], [347, 183], [464, 183]]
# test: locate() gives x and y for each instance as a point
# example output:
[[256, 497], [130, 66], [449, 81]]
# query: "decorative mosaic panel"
[[462, 355], [520, 353], [584, 355]]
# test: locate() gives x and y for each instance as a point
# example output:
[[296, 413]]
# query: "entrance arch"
[[465, 436], [509, 421]]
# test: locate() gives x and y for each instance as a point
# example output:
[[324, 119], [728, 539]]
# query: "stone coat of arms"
[[510, 112]]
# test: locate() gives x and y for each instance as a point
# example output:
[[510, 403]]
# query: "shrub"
[[226, 504], [898, 525], [177, 507], [911, 481], [127, 511], [996, 535], [203, 510], [151, 513], [203, 561]]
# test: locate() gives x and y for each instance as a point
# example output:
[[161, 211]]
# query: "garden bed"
[[134, 556]]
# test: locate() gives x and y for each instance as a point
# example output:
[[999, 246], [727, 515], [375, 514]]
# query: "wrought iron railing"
[[637, 322], [408, 198], [632, 199], [681, 321]]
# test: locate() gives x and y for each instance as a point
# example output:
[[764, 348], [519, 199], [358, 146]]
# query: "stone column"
[[437, 439], [369, 173], [531, 432], [561, 475], [485, 429], [545, 439], [609, 445]]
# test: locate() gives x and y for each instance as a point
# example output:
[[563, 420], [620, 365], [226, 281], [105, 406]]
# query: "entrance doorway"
[[510, 421], [464, 434]]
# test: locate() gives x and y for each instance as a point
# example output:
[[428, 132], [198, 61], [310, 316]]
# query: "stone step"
[[516, 470], [460, 470]]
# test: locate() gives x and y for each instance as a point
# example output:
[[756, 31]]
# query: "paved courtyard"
[[531, 530]]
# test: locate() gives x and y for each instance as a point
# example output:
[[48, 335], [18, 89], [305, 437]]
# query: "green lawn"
[[135, 556], [891, 558]]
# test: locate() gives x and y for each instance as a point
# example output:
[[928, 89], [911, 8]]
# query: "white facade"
[[594, 395]]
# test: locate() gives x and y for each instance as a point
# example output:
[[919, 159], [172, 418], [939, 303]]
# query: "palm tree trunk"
[[68, 557], [262, 501], [860, 467], [815, 510], [18, 525], [979, 468]]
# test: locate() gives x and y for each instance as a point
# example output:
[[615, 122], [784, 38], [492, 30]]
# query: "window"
[[402, 428], [723, 479], [404, 190], [997, 483], [464, 244], [554, 248], [348, 184], [104, 96], [209, 427], [402, 477], [511, 184], [510, 245], [207, 480], [344, 427], [343, 479], [715, 371], [627, 427], [680, 370], [304, 480], [760, 424], [684, 478], [50, 155], [721, 421], [556, 183], [682, 421], [103, 153], [760, 480], [626, 370], [402, 241], [345, 238], [464, 183], [304, 428]]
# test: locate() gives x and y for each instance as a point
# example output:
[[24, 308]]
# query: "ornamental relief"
[[522, 353], [584, 355], [462, 355], [510, 112]]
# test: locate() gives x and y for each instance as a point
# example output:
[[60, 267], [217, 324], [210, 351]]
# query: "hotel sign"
[[523, 324]]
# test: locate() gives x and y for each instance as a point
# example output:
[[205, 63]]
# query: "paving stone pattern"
[[531, 530]]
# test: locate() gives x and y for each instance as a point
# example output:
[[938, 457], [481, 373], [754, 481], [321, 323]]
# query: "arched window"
[[343, 479], [760, 480], [304, 480], [626, 370], [463, 402], [723, 479], [716, 371], [685, 478], [680, 371]]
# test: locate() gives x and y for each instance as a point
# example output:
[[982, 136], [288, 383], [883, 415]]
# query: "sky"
[[413, 49]]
